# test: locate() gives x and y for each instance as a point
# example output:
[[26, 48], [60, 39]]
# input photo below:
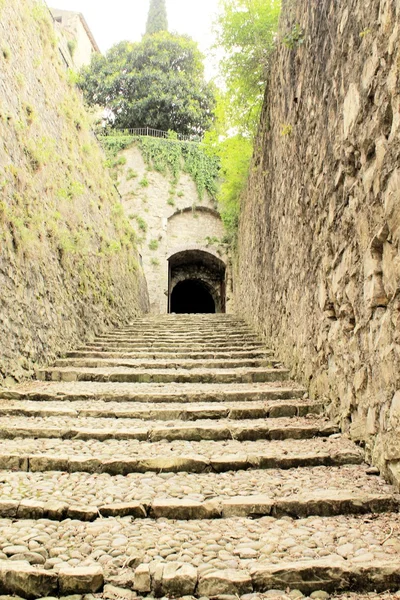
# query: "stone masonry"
[[68, 263], [174, 457], [318, 267], [173, 225]]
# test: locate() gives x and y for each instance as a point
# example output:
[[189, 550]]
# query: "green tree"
[[157, 18], [246, 31], [158, 82]]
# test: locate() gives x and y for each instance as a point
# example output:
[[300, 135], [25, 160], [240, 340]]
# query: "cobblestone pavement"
[[200, 471]]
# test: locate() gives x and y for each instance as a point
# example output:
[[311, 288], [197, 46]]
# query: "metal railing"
[[150, 132]]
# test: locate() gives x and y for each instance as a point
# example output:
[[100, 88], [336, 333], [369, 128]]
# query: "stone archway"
[[196, 282]]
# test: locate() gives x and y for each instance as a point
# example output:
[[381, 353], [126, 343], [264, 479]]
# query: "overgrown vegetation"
[[171, 158], [246, 31], [57, 202]]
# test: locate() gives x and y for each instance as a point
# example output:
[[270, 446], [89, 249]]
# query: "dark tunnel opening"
[[191, 296]]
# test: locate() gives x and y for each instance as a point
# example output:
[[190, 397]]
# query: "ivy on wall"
[[170, 157]]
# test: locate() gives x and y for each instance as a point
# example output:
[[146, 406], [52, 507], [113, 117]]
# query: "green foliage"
[[131, 174], [158, 82], [39, 152], [246, 31], [144, 182], [114, 144], [294, 37], [153, 245], [71, 47], [72, 77], [141, 223], [72, 190], [157, 18], [116, 161], [286, 129], [234, 154], [155, 262], [173, 157]]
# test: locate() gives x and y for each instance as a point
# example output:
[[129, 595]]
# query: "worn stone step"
[[120, 457], [90, 428], [181, 363], [166, 412], [178, 341], [297, 492], [168, 355], [207, 558], [159, 346], [124, 374], [324, 503], [155, 393], [184, 328], [19, 578]]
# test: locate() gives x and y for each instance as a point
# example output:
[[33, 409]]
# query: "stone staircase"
[[174, 457]]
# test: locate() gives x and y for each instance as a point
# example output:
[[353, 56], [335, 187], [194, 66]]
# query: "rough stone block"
[[179, 579], [142, 580], [20, 578], [82, 512], [185, 509], [124, 509], [13, 462], [42, 463], [245, 506], [8, 509], [55, 510], [30, 509], [229, 581], [80, 580], [327, 575]]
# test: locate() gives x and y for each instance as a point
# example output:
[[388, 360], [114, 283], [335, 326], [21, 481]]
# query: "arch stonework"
[[202, 266], [186, 223]]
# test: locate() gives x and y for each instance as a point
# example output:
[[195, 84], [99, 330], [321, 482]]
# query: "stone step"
[[120, 457], [177, 340], [167, 412], [167, 364], [185, 329], [324, 503], [154, 393], [296, 493], [133, 346], [124, 374], [204, 558], [90, 428], [168, 355]]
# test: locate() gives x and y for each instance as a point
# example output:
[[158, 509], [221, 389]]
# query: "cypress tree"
[[157, 18]]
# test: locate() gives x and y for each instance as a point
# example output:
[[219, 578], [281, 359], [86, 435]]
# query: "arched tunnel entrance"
[[196, 283], [191, 296]]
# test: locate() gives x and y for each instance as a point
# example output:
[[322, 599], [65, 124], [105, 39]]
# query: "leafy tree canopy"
[[157, 18], [158, 82], [246, 31]]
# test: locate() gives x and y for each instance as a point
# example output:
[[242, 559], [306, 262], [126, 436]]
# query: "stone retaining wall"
[[318, 268], [68, 261]]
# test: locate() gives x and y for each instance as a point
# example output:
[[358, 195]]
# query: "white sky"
[[117, 20]]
